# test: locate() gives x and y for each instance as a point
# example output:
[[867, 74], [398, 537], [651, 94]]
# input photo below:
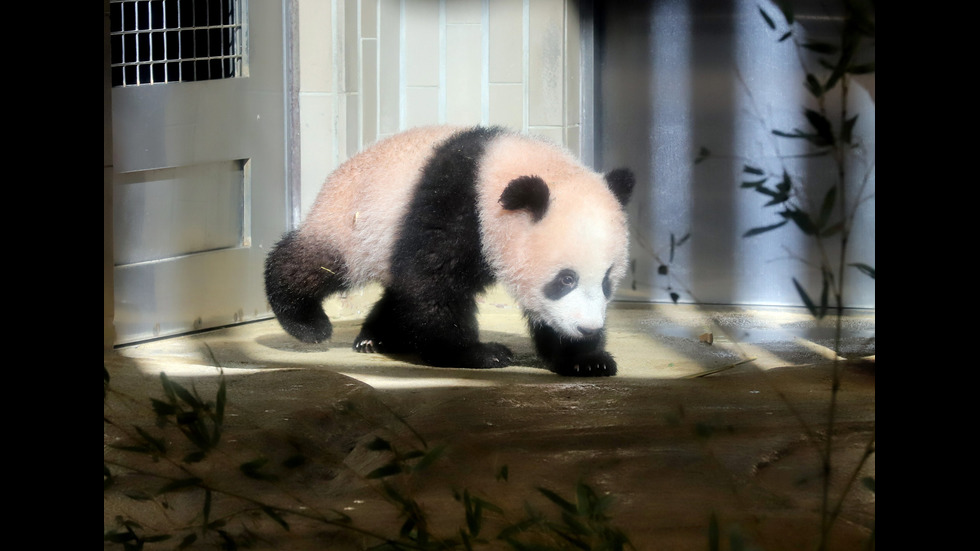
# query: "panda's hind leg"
[[299, 274], [442, 331]]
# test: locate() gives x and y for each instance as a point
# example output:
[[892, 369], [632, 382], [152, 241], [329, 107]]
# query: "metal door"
[[199, 172]]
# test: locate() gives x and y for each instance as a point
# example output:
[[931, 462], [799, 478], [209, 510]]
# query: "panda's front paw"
[[594, 364], [366, 346]]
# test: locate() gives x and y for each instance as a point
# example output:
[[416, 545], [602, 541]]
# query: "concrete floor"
[[687, 430]]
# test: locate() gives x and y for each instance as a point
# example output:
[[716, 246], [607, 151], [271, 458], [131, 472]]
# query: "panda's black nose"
[[587, 331]]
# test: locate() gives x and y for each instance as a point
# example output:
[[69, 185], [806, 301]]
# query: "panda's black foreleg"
[[583, 357], [441, 330]]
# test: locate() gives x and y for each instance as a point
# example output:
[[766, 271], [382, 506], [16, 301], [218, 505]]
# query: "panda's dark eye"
[[562, 284]]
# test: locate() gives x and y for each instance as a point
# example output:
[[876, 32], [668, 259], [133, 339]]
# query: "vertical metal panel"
[[674, 76]]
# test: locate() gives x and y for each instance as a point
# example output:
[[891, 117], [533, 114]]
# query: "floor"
[[715, 424]]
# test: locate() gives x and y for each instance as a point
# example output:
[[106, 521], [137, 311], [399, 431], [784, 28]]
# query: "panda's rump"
[[359, 210]]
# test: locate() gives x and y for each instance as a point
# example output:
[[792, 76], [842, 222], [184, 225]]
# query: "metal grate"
[[155, 41]]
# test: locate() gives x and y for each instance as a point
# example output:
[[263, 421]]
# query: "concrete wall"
[[370, 68]]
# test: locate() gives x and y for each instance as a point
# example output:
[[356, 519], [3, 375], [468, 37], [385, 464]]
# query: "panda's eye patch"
[[562, 284], [607, 284]]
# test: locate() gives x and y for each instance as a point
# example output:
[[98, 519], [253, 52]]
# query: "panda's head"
[[555, 234]]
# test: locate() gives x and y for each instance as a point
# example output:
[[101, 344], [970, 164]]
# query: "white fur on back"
[[358, 210]]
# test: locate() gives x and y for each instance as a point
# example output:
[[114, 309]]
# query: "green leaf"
[[194, 457], [769, 21], [294, 461], [814, 311], [847, 131], [558, 500], [429, 458], [703, 154], [156, 443], [674, 297], [378, 444], [387, 470], [274, 515], [503, 473], [865, 269], [832, 229], [753, 184], [714, 536], [252, 469], [220, 401], [206, 510], [827, 208], [824, 129], [813, 85], [801, 219], [825, 294], [869, 483], [161, 408], [179, 485]]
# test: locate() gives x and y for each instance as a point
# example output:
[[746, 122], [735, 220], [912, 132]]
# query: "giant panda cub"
[[436, 215]]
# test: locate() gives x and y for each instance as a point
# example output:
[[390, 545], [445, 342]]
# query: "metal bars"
[[155, 41]]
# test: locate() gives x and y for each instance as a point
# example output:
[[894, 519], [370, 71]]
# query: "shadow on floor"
[[688, 431]]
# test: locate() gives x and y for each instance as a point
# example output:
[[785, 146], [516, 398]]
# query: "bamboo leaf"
[[825, 295], [194, 457], [813, 85], [384, 471], [755, 184], [161, 408], [558, 500], [764, 229], [206, 510], [252, 469], [801, 219], [220, 402], [768, 20], [832, 229], [827, 208], [274, 515], [156, 443], [503, 473], [865, 269], [378, 444], [807, 301], [753, 170], [847, 131], [824, 129], [179, 485], [703, 154], [429, 458]]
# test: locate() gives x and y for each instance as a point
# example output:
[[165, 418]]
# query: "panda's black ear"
[[621, 181], [526, 192]]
